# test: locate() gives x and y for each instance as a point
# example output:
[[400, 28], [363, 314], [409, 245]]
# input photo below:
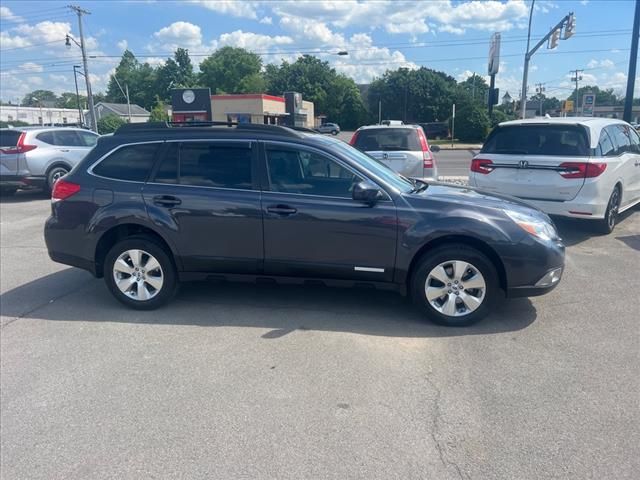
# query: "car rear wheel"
[[140, 273], [608, 223], [55, 174], [455, 285], [334, 132]]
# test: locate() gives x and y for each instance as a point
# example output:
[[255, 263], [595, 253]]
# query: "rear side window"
[[132, 162], [207, 164], [388, 139], [9, 138], [621, 138], [555, 140], [605, 146], [46, 137]]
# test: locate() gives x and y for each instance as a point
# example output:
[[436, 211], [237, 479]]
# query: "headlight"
[[536, 226]]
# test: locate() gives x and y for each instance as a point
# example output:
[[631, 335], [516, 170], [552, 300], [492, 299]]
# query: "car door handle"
[[281, 209], [64, 149], [166, 201]]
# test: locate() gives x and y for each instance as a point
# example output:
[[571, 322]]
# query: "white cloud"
[[35, 81], [251, 41], [53, 33], [8, 15], [123, 45], [31, 67], [605, 63], [179, 34], [451, 29], [266, 20], [408, 17], [312, 30], [235, 8]]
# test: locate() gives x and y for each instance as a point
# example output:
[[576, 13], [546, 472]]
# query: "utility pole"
[[79, 11], [380, 111], [75, 79], [125, 93], [569, 25], [576, 78], [473, 87], [540, 91], [631, 77]]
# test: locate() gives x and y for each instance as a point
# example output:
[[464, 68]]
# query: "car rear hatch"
[[398, 148], [9, 152], [534, 161]]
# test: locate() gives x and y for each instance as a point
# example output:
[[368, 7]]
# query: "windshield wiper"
[[417, 188]]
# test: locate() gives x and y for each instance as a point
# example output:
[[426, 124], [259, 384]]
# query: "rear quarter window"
[[131, 162], [553, 140], [388, 139]]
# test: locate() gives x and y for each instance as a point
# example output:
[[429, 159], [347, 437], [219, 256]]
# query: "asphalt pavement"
[[245, 381]]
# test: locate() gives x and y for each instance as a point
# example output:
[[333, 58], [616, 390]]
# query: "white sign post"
[[453, 123]]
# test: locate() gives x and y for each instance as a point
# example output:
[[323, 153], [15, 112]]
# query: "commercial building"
[[39, 115], [188, 105]]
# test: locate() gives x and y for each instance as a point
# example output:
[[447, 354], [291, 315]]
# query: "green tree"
[[426, 95], [139, 77], [69, 100], [549, 104], [176, 72], [333, 94], [476, 87], [109, 124], [37, 98], [227, 68], [472, 121], [159, 112], [603, 97], [186, 76], [498, 116]]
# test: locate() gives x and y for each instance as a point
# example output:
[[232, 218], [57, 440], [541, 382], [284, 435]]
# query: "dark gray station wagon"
[[155, 204]]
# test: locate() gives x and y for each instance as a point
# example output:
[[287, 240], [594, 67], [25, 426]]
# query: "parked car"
[[332, 128], [437, 130], [39, 156], [151, 206], [574, 167], [403, 148]]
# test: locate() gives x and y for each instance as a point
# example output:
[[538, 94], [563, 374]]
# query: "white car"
[[573, 167]]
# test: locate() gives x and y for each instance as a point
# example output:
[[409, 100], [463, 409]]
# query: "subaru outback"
[[156, 204]]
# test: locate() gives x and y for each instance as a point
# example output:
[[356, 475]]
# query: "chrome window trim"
[[113, 150], [332, 157], [201, 186]]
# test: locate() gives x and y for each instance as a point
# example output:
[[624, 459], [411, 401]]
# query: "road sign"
[[494, 54], [568, 106], [588, 102]]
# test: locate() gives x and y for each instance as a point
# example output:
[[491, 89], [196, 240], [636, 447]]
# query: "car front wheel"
[[140, 273], [455, 285]]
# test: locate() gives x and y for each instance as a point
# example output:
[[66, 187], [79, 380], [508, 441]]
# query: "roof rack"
[[256, 127]]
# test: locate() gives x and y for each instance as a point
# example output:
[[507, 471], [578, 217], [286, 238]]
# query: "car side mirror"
[[435, 148], [367, 192]]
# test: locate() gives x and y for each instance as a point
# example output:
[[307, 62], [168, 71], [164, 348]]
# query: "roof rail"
[[258, 127]]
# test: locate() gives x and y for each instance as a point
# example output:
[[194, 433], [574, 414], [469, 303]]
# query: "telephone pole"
[[540, 91], [80, 12], [576, 78]]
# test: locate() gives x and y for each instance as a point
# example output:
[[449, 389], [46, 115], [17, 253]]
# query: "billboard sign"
[[588, 102], [494, 54]]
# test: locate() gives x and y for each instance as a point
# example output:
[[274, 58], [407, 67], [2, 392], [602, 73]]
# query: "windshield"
[[532, 139], [372, 165]]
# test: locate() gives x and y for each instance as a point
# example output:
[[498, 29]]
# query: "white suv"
[[574, 167], [38, 156]]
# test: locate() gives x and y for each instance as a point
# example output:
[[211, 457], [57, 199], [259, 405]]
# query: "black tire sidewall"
[[603, 225], [168, 269], [334, 132], [444, 254]]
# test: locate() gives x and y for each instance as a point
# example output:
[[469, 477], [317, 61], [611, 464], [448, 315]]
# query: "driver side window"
[[308, 173]]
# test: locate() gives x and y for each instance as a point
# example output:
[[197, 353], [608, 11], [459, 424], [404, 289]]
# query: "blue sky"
[[447, 35]]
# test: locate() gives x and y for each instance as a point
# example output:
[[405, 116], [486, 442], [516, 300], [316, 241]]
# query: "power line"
[[32, 46]]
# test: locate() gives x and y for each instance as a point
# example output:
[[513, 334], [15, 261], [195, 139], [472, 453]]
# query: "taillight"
[[427, 161], [353, 140], [20, 147], [582, 170], [481, 165], [63, 190]]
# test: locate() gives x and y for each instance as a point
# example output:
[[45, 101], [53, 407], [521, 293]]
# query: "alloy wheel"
[[612, 210], [455, 288], [138, 275]]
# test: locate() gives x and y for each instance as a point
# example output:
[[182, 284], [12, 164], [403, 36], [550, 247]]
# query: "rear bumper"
[[579, 207], [20, 181], [60, 245]]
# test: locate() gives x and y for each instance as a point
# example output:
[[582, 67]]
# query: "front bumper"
[[547, 282]]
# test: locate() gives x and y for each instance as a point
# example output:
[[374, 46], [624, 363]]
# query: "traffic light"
[[553, 40], [495, 96], [570, 27]]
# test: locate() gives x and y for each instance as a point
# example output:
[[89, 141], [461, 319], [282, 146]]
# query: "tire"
[[608, 223], [55, 174], [449, 308], [159, 284], [334, 132]]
